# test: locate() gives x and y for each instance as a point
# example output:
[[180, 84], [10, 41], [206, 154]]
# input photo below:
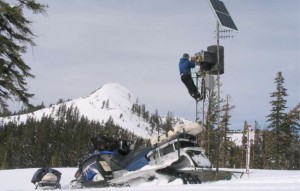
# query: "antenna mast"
[[223, 20]]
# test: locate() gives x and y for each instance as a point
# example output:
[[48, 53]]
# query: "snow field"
[[270, 180]]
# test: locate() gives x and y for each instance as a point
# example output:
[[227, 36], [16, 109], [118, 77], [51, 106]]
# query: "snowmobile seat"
[[132, 161]]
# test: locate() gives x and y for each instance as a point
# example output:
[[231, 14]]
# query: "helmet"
[[186, 55]]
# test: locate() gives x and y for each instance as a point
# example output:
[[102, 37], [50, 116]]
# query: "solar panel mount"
[[222, 14]]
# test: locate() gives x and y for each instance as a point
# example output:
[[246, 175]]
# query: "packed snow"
[[273, 180]]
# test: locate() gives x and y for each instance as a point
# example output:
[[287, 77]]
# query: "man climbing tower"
[[185, 72]]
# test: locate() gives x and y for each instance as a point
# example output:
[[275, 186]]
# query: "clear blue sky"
[[82, 45]]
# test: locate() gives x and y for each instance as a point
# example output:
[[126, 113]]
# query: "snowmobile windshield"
[[192, 153], [90, 171], [199, 158], [184, 144]]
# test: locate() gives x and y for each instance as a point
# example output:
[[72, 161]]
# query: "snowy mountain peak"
[[117, 95], [112, 90], [111, 100]]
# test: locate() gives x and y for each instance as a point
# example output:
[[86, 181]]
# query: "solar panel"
[[222, 14], [219, 6]]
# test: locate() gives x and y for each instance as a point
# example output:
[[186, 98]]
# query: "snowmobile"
[[175, 155], [102, 168], [46, 179]]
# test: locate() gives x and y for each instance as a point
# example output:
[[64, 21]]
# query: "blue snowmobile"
[[101, 167]]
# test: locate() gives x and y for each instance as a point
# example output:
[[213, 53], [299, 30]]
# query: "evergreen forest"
[[60, 142]]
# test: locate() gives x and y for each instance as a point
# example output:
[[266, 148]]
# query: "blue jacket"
[[185, 66]]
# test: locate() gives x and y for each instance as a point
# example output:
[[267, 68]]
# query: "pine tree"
[[107, 104], [208, 137], [268, 144], [155, 122], [279, 131], [257, 148], [244, 146], [4, 112], [224, 128], [15, 35], [293, 123], [169, 123]]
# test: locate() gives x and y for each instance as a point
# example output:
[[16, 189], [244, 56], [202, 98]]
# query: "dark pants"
[[189, 83]]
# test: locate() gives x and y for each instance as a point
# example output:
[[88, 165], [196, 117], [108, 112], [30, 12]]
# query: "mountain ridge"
[[111, 100]]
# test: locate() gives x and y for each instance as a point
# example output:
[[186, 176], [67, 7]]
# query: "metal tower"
[[224, 25]]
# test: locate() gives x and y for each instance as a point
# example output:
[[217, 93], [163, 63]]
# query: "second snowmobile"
[[46, 179]]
